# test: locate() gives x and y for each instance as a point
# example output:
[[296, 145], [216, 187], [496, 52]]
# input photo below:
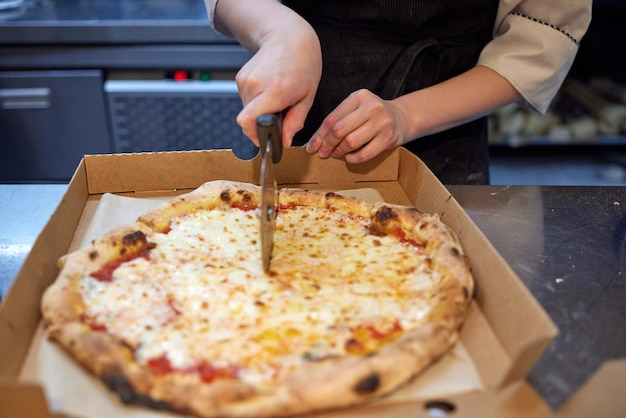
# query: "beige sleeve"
[[534, 45], [214, 19]]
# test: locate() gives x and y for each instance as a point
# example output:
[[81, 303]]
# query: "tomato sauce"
[[105, 274], [206, 371], [367, 338]]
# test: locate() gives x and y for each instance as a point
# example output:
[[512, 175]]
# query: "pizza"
[[175, 311]]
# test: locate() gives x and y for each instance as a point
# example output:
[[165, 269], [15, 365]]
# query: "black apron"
[[395, 47]]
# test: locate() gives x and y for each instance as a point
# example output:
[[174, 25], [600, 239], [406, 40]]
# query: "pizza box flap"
[[164, 170], [521, 329], [22, 400]]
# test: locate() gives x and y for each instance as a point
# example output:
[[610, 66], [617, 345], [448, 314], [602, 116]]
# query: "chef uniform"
[[395, 47]]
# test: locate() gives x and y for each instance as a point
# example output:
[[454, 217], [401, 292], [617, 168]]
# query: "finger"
[[356, 139], [368, 151], [316, 140], [262, 104], [248, 86], [247, 121], [337, 126], [293, 122]]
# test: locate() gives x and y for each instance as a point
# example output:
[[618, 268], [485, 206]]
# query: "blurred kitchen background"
[[111, 76]]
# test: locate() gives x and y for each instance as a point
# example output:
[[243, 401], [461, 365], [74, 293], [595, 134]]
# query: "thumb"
[[293, 122]]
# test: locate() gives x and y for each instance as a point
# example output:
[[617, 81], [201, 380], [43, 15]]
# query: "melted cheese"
[[202, 296]]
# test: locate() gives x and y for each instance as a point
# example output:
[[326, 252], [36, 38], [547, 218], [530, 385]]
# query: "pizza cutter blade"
[[269, 130]]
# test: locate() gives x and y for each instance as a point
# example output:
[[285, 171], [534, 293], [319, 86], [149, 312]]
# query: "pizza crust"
[[62, 302], [217, 194], [318, 385]]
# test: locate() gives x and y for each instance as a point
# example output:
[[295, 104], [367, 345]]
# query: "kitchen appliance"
[[99, 76]]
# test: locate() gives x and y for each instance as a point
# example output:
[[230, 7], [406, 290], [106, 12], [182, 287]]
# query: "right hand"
[[282, 76]]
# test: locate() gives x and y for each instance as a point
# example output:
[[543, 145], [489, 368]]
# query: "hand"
[[281, 77], [360, 128]]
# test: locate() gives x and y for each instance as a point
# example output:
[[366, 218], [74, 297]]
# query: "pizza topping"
[[92, 324], [105, 274], [186, 317], [200, 296], [134, 245], [206, 371], [160, 365], [367, 337], [209, 373]]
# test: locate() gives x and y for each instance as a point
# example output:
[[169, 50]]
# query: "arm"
[[364, 125], [534, 45], [284, 73]]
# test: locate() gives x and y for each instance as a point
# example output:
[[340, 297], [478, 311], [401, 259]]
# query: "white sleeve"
[[215, 21], [534, 45]]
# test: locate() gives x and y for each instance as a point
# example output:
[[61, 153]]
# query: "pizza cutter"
[[270, 141]]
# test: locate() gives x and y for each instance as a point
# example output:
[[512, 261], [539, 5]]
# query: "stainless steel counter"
[[58, 22], [567, 244], [25, 209], [129, 35]]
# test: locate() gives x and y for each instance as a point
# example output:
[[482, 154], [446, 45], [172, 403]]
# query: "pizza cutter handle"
[[269, 128]]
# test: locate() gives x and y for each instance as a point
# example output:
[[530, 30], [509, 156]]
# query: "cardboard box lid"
[[521, 327], [159, 171]]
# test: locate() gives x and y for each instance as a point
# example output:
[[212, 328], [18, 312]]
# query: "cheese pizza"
[[176, 312]]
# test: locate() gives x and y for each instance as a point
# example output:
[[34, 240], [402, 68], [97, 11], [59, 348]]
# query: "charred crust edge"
[[225, 196], [385, 214], [134, 238], [124, 389], [368, 384], [245, 195]]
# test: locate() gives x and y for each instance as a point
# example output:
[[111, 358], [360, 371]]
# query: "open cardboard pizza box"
[[505, 333]]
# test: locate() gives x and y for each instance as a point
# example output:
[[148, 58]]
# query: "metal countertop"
[[114, 35], [73, 22], [566, 243]]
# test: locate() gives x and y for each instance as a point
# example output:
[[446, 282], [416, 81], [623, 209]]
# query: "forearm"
[[285, 70], [254, 22], [464, 98]]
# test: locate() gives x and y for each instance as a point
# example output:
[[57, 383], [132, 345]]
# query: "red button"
[[181, 76]]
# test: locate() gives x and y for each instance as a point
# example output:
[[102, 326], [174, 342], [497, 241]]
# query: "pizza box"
[[504, 335]]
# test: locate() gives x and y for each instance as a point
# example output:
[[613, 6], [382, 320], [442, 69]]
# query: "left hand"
[[360, 128]]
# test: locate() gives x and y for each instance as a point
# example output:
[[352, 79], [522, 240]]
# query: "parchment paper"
[[73, 391]]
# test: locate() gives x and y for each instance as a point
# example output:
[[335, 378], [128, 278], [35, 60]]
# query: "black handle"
[[269, 128]]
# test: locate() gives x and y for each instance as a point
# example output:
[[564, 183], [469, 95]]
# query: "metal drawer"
[[48, 121]]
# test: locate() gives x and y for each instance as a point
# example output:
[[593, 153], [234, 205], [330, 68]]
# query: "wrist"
[[414, 118]]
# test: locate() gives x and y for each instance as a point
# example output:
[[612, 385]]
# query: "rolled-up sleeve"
[[534, 45], [214, 19]]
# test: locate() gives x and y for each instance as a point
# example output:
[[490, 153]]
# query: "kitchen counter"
[[114, 35], [566, 244], [57, 22]]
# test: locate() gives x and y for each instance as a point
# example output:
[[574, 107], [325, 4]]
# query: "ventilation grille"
[[171, 116]]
